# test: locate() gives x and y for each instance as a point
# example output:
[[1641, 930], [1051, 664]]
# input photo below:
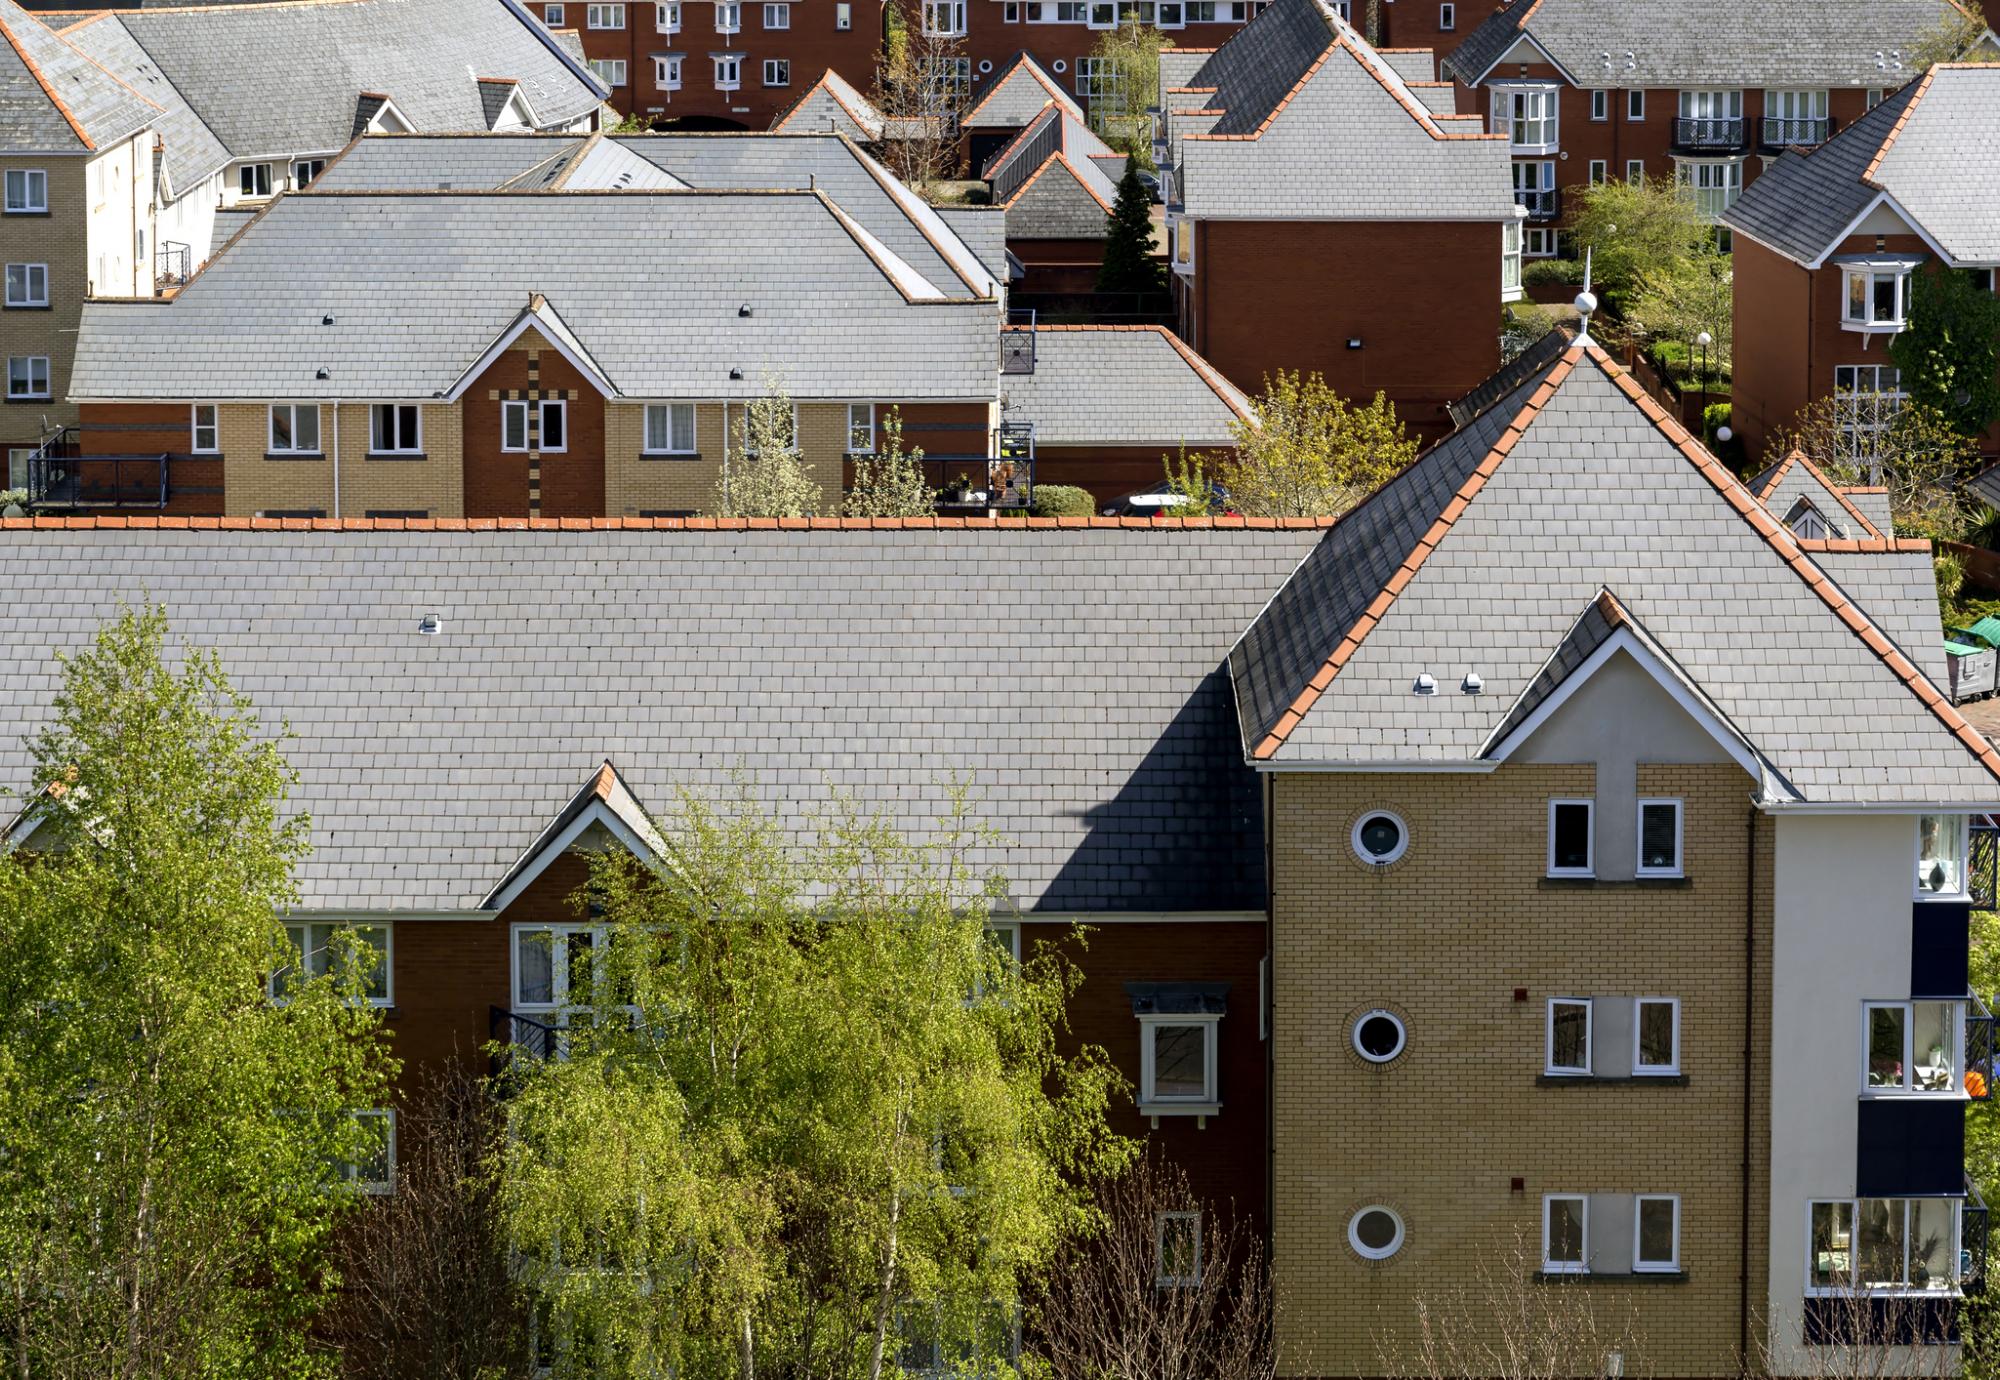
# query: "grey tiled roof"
[[419, 284], [1501, 385], [1069, 199], [1874, 505], [42, 75], [1944, 168], [1507, 579], [191, 146], [1792, 482], [1018, 92], [1097, 734], [1899, 590], [832, 104], [1122, 386], [417, 162], [1348, 140], [282, 80], [1800, 204], [983, 230], [1177, 68], [228, 220], [1708, 42], [1413, 65], [1071, 136]]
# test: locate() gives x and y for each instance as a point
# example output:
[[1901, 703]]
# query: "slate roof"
[[983, 230], [1463, 563], [1017, 94], [1801, 202], [420, 283], [1051, 179], [427, 56], [54, 98], [1123, 386], [1781, 486], [471, 162], [1316, 125], [1498, 387], [1097, 736], [1417, 66], [1177, 69], [831, 104], [1706, 42]]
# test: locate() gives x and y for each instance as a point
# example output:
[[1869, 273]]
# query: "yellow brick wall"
[[254, 484], [60, 240], [636, 483], [1444, 937]]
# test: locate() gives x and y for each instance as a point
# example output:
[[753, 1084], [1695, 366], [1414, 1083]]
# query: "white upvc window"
[[295, 428], [1875, 297], [1883, 1245], [27, 285], [1635, 171], [553, 16], [205, 431], [27, 191], [1635, 104], [1171, 14], [604, 16], [667, 73], [1600, 103], [1565, 1234], [1942, 842], [1656, 1233], [1912, 1047], [1510, 261], [1528, 115], [1720, 104], [1868, 397], [551, 432], [1714, 183], [670, 428], [944, 18], [861, 428], [395, 429], [728, 72], [1177, 1249], [1600, 172], [27, 376], [777, 72], [551, 970], [728, 16], [1447, 17], [1101, 14], [1572, 838], [1177, 1063], [778, 16], [1659, 838], [1568, 1037], [305, 170], [320, 948], [1795, 117], [375, 1170], [1541, 241], [254, 179], [610, 71], [1656, 1037], [667, 17], [1183, 242]]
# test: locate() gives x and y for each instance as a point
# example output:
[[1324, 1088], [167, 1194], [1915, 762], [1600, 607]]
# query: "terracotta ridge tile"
[[1889, 140]]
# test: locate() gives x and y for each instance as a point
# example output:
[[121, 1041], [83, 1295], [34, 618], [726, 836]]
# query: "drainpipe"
[[1749, 1051], [1269, 1016], [336, 458]]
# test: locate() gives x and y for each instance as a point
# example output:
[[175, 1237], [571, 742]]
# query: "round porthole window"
[[1380, 837], [985, 65], [1376, 1233], [1060, 66], [1379, 1037]]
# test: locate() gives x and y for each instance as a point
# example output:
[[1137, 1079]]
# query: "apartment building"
[[1829, 245], [135, 132], [1017, 94], [1707, 93], [1327, 209], [531, 343]]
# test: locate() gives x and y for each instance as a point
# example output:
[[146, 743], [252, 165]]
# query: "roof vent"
[[743, 310], [1472, 684], [326, 320], [736, 373], [324, 373], [1426, 684], [430, 625]]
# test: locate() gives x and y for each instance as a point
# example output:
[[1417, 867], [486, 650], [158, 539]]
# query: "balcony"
[[173, 264], [1713, 134], [1781, 132], [521, 1038], [1004, 479], [1544, 204], [60, 477]]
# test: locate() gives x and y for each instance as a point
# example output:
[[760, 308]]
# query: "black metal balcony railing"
[[1788, 132], [60, 477], [1983, 863], [1017, 343], [1544, 204], [1972, 1229], [173, 262], [521, 1037], [1709, 133], [1978, 1077]]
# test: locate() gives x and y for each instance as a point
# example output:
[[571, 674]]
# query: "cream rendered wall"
[[1840, 935], [189, 218], [118, 218]]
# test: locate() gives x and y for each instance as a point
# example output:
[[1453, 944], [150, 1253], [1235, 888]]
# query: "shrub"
[[1541, 271], [1714, 417], [1063, 500]]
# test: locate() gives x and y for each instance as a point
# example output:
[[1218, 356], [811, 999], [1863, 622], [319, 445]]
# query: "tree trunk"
[[885, 1296], [746, 1351]]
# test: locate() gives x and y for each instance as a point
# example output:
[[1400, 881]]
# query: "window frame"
[[31, 178], [559, 1007], [1365, 1251], [1161, 1279], [302, 948], [1654, 1267], [1512, 261], [1150, 1102], [1600, 172], [1633, 165], [732, 11], [1589, 868], [295, 410], [667, 72], [350, 1173], [1395, 854], [734, 62], [1678, 868], [258, 186], [538, 441], [613, 72], [1600, 103], [1635, 105], [396, 413], [1581, 1265], [854, 431], [196, 427], [781, 10], [1503, 117], [667, 17], [693, 446], [1447, 17], [952, 9], [1672, 1067], [1869, 277], [1853, 1287], [604, 10], [31, 393], [1907, 1061], [777, 72], [1379, 1013], [313, 166], [554, 16], [30, 301], [1550, 1068], [1961, 889]]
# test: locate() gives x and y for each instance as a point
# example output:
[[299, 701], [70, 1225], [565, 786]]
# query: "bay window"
[[667, 17], [667, 72], [1528, 115], [1912, 1047], [1177, 1061], [728, 70], [1876, 296], [1510, 261], [1713, 185]]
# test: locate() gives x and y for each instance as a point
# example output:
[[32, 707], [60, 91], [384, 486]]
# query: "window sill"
[[30, 397], [1606, 884], [670, 455], [396, 455], [1958, 1094], [1874, 327], [1587, 1080], [29, 306], [1605, 1276], [1942, 898], [43, 212], [295, 455], [1201, 1111]]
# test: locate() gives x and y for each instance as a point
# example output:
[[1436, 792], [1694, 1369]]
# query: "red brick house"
[[1828, 243], [1299, 163], [1057, 182], [1708, 93]]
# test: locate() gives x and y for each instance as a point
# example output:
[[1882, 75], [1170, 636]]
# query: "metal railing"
[[521, 1037], [1017, 343], [59, 476], [173, 264], [1972, 1233], [1011, 167], [1978, 1076], [1982, 863], [1725, 132], [1543, 204], [1782, 131]]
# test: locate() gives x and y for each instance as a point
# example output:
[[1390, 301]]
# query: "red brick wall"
[[497, 481], [1285, 295], [194, 483], [1774, 306], [992, 39], [1058, 265], [1108, 472], [1414, 23]]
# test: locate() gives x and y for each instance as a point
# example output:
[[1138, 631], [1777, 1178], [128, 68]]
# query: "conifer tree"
[[1129, 264]]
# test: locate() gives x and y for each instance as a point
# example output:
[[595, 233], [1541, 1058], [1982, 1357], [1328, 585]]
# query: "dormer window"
[[1528, 116], [1806, 522], [254, 179], [1876, 296]]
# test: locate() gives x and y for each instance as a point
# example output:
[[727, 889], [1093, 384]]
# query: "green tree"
[[891, 483], [1949, 353], [1680, 299], [1915, 452], [1129, 262], [1950, 39], [1125, 81], [764, 475], [173, 1138], [1631, 227], [832, 1133], [1308, 452]]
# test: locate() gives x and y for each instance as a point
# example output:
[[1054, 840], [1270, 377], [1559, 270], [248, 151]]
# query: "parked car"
[[1161, 501]]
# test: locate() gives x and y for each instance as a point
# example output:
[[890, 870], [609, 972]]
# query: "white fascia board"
[[549, 332], [1882, 199], [1464, 766], [545, 851]]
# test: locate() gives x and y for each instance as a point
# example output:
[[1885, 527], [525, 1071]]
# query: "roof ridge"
[[643, 524], [48, 88], [1817, 473]]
